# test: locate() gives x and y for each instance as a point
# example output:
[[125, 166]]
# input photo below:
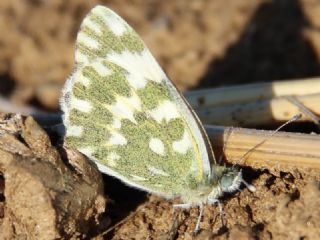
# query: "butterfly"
[[123, 112]]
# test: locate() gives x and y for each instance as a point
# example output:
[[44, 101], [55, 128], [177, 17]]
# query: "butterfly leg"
[[187, 206], [221, 211], [183, 206], [196, 229], [176, 221]]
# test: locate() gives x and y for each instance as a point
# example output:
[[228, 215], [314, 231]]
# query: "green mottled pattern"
[[153, 93], [109, 42], [136, 155], [183, 171]]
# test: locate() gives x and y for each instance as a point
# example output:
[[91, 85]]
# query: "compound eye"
[[226, 181], [231, 181]]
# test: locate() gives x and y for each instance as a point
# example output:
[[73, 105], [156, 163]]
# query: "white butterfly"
[[122, 111]]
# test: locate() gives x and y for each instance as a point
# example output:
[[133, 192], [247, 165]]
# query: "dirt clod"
[[43, 197]]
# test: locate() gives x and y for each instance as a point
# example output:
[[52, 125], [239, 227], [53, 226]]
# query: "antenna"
[[304, 110], [293, 119]]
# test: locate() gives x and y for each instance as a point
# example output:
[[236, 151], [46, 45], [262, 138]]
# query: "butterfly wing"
[[122, 111]]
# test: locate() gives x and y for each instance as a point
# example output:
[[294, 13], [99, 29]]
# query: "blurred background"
[[199, 43]]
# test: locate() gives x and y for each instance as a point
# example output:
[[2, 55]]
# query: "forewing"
[[124, 113]]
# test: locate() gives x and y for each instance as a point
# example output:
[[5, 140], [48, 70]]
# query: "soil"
[[199, 44]]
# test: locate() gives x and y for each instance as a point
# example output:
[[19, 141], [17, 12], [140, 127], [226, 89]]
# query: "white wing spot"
[[87, 41], [157, 171], [138, 178], [157, 146], [166, 110], [142, 67], [81, 105], [134, 101], [101, 69], [80, 57], [136, 81], [116, 124], [122, 110], [117, 139], [125, 107], [86, 151], [92, 25], [112, 158], [182, 146], [83, 80], [113, 21], [74, 130]]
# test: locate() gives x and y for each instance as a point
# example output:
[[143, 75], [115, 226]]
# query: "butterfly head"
[[230, 180], [226, 180]]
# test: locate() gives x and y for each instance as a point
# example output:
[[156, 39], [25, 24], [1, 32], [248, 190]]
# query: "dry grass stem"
[[282, 150], [255, 104]]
